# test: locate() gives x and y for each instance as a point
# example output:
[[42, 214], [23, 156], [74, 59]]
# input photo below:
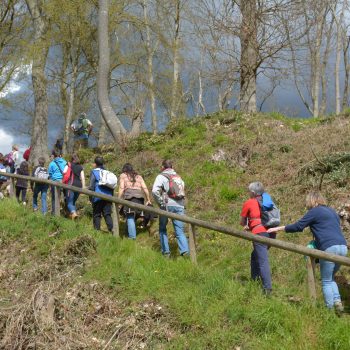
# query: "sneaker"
[[35, 209], [339, 308], [267, 292], [24, 203], [185, 255], [166, 255]]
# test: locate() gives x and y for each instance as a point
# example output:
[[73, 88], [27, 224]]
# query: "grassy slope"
[[213, 306]]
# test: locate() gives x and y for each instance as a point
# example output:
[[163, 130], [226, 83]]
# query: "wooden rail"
[[292, 247]]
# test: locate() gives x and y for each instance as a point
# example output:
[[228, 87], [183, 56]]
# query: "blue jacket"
[[324, 224], [94, 186], [56, 168]]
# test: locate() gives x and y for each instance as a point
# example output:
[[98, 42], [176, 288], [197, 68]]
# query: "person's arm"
[[121, 186], [92, 181], [157, 190], [244, 216], [276, 229], [82, 178], [298, 226]]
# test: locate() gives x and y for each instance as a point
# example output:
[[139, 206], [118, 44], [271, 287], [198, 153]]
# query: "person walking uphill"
[[99, 206], [22, 185], [77, 179], [168, 192], [56, 170], [132, 188], [251, 220], [40, 172], [82, 128], [325, 227]]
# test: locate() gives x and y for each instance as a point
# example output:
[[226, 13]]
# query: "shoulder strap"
[[59, 168]]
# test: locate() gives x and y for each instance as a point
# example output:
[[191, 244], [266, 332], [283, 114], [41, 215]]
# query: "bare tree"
[[39, 140]]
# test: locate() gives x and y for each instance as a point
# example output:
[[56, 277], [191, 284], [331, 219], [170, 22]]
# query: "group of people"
[[324, 224], [168, 192]]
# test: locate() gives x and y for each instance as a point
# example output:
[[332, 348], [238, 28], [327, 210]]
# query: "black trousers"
[[21, 191], [99, 209]]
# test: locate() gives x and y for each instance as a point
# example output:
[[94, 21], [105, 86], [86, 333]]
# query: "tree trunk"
[[200, 104], [39, 140], [113, 123], [346, 43], [102, 135], [150, 54], [176, 63], [249, 56], [137, 120], [339, 23], [70, 109]]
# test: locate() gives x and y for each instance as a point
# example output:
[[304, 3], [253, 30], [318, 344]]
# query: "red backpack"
[[176, 186], [68, 175]]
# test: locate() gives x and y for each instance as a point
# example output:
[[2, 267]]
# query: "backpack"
[[80, 126], [68, 175], [108, 179], [176, 186], [269, 218], [8, 159], [41, 173]]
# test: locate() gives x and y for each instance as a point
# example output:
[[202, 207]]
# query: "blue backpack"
[[270, 214]]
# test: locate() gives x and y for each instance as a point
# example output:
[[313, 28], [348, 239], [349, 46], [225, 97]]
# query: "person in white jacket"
[[168, 192]]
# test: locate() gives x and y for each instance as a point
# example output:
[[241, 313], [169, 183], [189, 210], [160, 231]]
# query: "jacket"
[[56, 169], [161, 188]]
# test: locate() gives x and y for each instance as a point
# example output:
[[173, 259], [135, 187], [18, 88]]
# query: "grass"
[[212, 306]]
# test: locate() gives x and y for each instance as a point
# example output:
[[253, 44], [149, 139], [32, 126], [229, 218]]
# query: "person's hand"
[[148, 203], [273, 230], [246, 228]]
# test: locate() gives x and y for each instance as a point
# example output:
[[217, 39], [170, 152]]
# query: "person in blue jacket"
[[100, 207], [324, 224], [56, 170]]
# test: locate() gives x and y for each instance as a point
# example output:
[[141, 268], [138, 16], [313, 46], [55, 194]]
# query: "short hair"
[[56, 153], [75, 159], [41, 161], [257, 188], [15, 147], [167, 164], [315, 198], [99, 161]]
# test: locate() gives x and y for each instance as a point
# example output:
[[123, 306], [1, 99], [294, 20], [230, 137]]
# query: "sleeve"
[[157, 190], [50, 170], [92, 181], [299, 226], [245, 210]]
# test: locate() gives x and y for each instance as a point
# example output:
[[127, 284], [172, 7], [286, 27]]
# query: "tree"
[[39, 137]]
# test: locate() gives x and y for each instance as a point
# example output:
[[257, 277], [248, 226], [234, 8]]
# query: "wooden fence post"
[[12, 188], [57, 191], [310, 263], [192, 241], [115, 218]]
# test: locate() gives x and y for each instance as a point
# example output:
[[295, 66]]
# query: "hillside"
[[64, 286]]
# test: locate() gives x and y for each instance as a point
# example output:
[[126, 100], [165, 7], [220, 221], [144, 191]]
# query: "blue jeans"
[[259, 262], [40, 188], [328, 269], [71, 200], [179, 231], [130, 220]]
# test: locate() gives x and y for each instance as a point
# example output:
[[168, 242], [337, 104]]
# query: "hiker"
[[12, 159], [77, 179], [21, 184], [82, 128], [26, 153], [56, 170], [132, 188], [324, 224], [169, 192], [40, 172], [3, 179], [58, 146], [100, 207], [251, 220]]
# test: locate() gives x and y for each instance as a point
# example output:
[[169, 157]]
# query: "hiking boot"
[[339, 308]]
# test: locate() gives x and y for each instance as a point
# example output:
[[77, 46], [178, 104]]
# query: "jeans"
[[39, 188], [259, 262], [130, 220], [179, 231], [71, 198], [328, 269], [100, 208]]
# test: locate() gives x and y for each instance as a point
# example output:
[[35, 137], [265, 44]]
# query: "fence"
[[194, 223]]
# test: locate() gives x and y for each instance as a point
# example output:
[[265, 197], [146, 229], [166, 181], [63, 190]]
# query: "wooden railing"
[[295, 248]]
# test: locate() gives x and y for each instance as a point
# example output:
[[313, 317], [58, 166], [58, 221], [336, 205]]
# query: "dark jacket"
[[324, 224]]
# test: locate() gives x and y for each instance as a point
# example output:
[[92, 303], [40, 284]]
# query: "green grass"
[[211, 306]]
